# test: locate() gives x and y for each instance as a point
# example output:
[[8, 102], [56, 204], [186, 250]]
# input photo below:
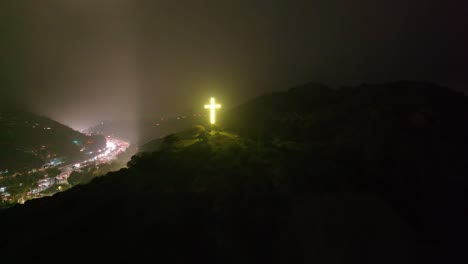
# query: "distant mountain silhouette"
[[142, 131], [368, 174], [28, 141]]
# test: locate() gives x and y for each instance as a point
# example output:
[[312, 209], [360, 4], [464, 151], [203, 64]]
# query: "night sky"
[[82, 61]]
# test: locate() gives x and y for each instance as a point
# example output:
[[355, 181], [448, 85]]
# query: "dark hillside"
[[226, 199], [370, 174], [410, 139], [29, 141]]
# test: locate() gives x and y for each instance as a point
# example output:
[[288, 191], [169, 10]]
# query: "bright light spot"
[[110, 145], [212, 106]]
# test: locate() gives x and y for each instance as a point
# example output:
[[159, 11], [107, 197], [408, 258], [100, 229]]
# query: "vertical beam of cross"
[[212, 106]]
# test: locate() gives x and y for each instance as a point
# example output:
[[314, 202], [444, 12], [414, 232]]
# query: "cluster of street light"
[[114, 147]]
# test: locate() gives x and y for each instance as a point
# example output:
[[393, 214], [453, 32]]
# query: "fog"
[[81, 62]]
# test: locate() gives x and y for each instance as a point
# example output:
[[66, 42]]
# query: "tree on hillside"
[[169, 141], [195, 131], [32, 179], [203, 136], [53, 172], [75, 178]]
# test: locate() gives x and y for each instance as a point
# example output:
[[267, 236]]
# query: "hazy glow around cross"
[[212, 106]]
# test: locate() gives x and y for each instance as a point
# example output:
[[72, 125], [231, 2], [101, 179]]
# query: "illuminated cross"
[[212, 106]]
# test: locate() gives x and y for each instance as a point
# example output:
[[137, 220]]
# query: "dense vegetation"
[[359, 175]]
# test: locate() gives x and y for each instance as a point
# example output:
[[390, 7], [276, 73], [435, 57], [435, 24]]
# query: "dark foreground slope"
[[374, 189], [409, 139]]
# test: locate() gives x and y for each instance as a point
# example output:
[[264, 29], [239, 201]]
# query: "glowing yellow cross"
[[212, 108]]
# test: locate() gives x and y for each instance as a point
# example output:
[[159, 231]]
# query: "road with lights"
[[114, 147]]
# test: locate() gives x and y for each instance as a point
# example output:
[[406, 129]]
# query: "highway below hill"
[[44, 185], [114, 147]]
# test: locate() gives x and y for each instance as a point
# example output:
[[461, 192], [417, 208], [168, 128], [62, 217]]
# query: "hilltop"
[[356, 175]]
